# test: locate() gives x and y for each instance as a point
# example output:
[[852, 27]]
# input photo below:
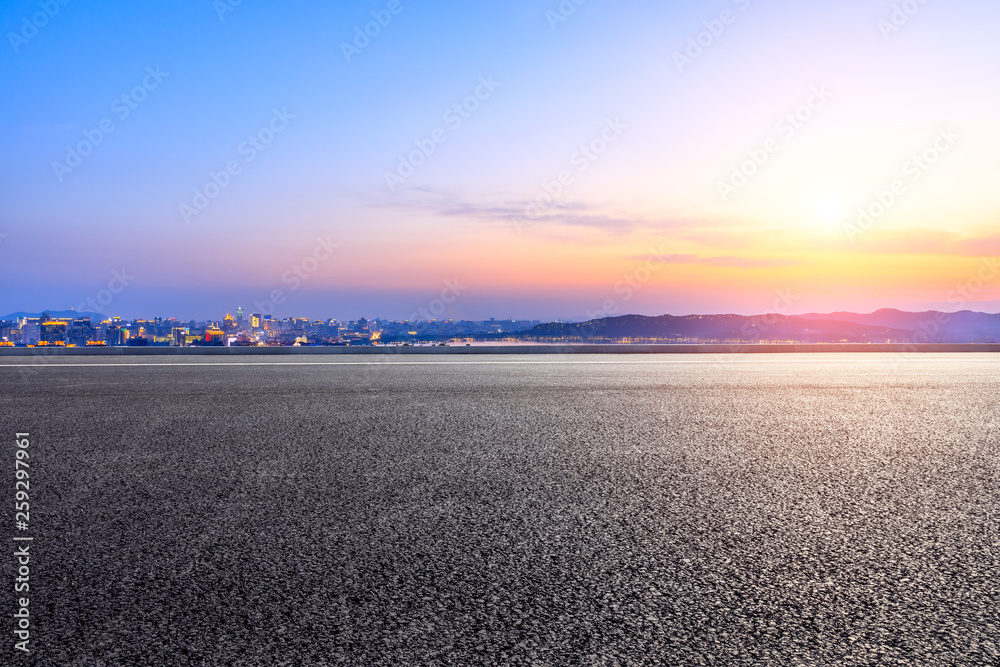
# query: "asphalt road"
[[780, 509]]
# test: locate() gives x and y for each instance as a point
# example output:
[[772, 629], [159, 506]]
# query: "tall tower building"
[[239, 315]]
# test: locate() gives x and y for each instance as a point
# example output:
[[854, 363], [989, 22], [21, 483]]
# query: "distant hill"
[[720, 328], [55, 314], [957, 327]]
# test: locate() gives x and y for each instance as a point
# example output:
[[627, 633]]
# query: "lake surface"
[[764, 509]]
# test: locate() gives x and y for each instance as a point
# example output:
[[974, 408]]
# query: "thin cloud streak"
[[517, 213], [727, 261]]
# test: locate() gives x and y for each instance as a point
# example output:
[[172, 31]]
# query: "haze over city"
[[686, 158]]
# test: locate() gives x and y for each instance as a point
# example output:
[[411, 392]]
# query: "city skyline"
[[686, 159], [781, 306], [889, 326]]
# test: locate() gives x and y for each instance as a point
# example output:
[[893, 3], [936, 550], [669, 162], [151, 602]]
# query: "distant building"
[[81, 332], [116, 336], [53, 331], [214, 337], [255, 321], [31, 333]]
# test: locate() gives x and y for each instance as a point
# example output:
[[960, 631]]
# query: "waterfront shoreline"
[[790, 348]]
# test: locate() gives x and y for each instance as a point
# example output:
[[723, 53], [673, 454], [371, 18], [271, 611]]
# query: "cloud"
[[727, 261], [739, 235], [928, 242], [524, 214]]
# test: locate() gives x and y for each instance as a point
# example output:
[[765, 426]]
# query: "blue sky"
[[556, 84]]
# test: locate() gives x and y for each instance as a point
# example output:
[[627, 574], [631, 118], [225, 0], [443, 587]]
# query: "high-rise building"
[[31, 332], [239, 315], [116, 336], [255, 320], [81, 331]]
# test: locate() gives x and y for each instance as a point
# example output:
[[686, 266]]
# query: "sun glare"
[[823, 205], [829, 208]]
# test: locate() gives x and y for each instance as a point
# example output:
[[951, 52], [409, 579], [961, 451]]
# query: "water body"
[[764, 509]]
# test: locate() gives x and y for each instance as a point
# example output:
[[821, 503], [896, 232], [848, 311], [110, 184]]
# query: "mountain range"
[[55, 314], [882, 326], [964, 321]]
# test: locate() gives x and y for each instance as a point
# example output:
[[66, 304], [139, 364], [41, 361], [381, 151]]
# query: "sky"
[[527, 159]]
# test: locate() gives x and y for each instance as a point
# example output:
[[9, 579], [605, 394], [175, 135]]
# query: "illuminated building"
[[255, 321], [81, 331], [214, 336], [53, 331], [116, 336]]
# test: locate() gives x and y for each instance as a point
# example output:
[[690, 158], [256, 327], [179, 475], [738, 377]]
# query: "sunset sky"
[[540, 163]]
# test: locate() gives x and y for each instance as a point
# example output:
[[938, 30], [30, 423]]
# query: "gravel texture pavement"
[[775, 510]]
